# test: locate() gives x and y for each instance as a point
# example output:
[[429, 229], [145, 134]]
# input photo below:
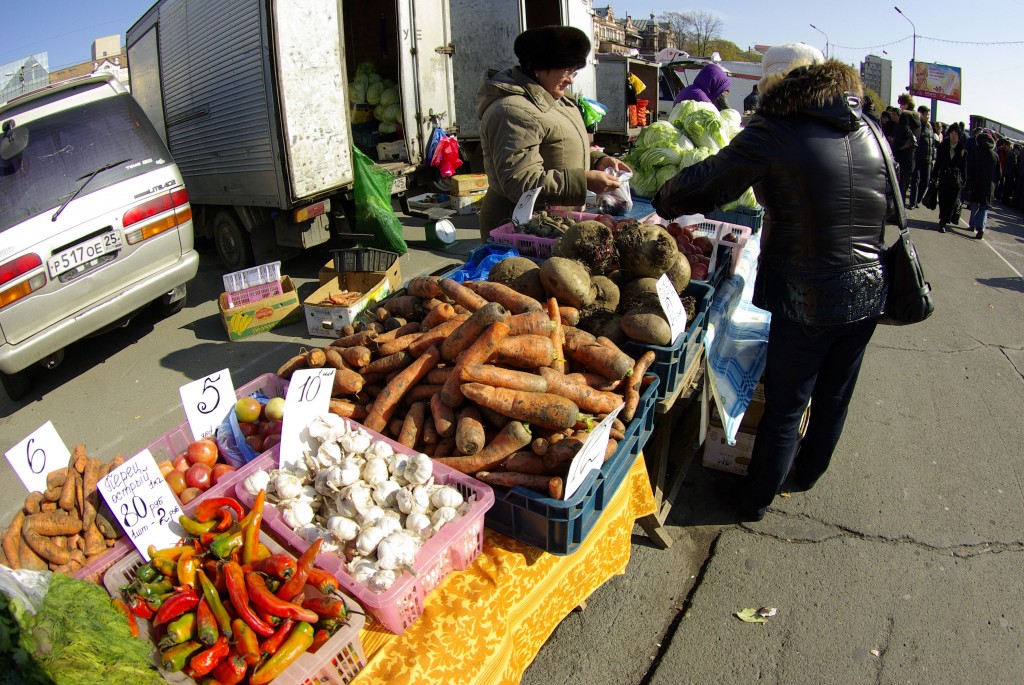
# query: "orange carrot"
[[469, 431], [412, 427], [503, 378], [422, 392], [609, 450], [563, 451], [357, 355], [438, 375], [334, 358], [612, 364], [437, 334], [438, 315], [514, 436], [406, 306], [558, 364], [471, 329], [477, 353], [12, 541], [541, 408], [363, 338], [530, 323], [425, 287], [574, 337], [346, 382], [315, 358], [392, 362], [526, 462], [552, 486], [399, 331], [347, 410], [594, 380], [583, 396], [445, 445], [525, 351], [398, 344], [461, 295], [512, 300], [429, 436], [539, 446], [570, 316], [385, 403], [444, 416], [632, 394]]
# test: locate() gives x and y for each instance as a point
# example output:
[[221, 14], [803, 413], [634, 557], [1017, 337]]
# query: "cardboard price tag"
[[591, 455], [143, 502], [524, 208], [207, 402], [309, 396], [672, 305], [38, 454]]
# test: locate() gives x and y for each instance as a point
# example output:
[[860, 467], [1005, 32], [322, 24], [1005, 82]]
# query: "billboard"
[[935, 81]]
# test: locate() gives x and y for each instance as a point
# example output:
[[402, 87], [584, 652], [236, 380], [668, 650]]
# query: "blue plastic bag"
[[481, 259]]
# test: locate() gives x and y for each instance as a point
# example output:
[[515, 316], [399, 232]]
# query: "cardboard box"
[[467, 204], [394, 274], [393, 151], [719, 454], [327, 320], [247, 320], [464, 184]]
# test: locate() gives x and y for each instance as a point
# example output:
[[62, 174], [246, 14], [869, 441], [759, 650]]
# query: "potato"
[[679, 274], [520, 274], [607, 294], [568, 281], [647, 325]]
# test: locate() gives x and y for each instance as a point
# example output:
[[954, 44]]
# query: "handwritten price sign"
[[37, 455], [309, 396], [142, 501], [524, 208], [672, 306], [591, 455], [207, 402]]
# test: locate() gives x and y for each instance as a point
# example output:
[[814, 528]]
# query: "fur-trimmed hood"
[[831, 91]]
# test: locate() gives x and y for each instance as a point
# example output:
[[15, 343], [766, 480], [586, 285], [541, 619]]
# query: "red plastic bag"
[[446, 156]]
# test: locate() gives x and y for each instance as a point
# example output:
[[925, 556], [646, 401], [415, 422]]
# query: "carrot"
[[405, 306], [527, 462], [33, 501], [364, 338], [477, 353], [509, 298], [552, 486], [412, 427], [347, 410], [48, 507], [541, 408], [55, 479], [394, 323], [438, 375], [45, 547], [29, 560], [398, 344], [563, 451], [583, 396], [118, 460], [315, 358], [574, 337], [469, 431], [335, 359], [399, 331], [461, 295], [357, 356], [525, 351], [594, 380], [347, 329], [429, 436], [384, 406], [12, 540], [395, 427], [51, 494], [459, 309], [514, 436], [438, 315], [292, 365], [346, 382], [392, 362], [471, 329], [612, 364], [503, 378], [443, 415], [89, 492], [67, 493], [437, 334], [632, 394], [57, 523], [570, 316], [556, 336], [422, 392], [79, 458], [425, 287], [492, 419], [94, 543], [530, 323], [540, 446], [445, 445], [609, 450]]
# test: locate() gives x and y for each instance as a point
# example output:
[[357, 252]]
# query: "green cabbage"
[[644, 182], [393, 113], [664, 174], [704, 127], [685, 143], [658, 134], [357, 92], [365, 68], [389, 96], [694, 156], [378, 112], [387, 127], [744, 201], [732, 120], [659, 156], [374, 78], [373, 92]]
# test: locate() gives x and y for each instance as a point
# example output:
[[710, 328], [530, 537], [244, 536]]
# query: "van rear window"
[[66, 147]]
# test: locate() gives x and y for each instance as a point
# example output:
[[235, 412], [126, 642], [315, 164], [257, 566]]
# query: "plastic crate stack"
[[254, 284]]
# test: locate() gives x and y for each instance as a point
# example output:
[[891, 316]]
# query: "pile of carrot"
[[482, 378], [63, 528]]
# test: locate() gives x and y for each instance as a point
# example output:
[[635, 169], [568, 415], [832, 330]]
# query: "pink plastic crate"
[[527, 245], [453, 549], [337, 661], [254, 293], [716, 230]]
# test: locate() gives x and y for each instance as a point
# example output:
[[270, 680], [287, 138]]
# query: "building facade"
[[876, 73]]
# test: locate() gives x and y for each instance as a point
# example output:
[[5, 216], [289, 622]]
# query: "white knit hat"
[[779, 60]]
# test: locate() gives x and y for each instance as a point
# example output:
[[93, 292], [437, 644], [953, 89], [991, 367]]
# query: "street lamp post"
[[913, 45], [824, 34]]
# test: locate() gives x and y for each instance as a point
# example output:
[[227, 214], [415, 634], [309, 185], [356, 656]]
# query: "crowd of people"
[[942, 166]]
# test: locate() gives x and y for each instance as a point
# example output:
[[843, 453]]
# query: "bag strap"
[[894, 186]]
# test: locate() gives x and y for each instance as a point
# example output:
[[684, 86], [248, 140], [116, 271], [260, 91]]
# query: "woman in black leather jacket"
[[820, 175], [950, 172]]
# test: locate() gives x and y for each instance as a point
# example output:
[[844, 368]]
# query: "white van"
[[95, 221]]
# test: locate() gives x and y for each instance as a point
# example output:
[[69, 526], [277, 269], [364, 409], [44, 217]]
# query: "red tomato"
[[219, 470], [255, 442], [692, 258], [199, 476], [202, 451], [271, 440], [698, 272], [704, 244], [189, 494], [271, 428], [181, 462], [248, 428], [166, 466], [176, 479]]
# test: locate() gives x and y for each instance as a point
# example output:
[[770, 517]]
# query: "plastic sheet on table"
[[480, 261]]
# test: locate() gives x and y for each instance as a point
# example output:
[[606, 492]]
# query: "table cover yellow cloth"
[[486, 624]]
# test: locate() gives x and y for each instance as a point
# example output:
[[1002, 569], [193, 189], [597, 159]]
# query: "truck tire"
[[168, 309], [234, 246], [16, 385]]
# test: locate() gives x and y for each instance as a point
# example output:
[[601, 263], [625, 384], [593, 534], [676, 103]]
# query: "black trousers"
[[919, 182]]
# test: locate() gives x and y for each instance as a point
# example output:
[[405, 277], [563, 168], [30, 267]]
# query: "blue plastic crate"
[[560, 526], [671, 362], [744, 217]]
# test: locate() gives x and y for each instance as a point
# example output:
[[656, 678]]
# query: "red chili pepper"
[[269, 646], [120, 605], [294, 586], [297, 643], [207, 509], [319, 638], [264, 599], [269, 618], [206, 624], [257, 506], [216, 576], [206, 660], [251, 532], [235, 580], [137, 605], [246, 642], [225, 522], [322, 580], [182, 601], [206, 539], [276, 565], [325, 607], [231, 670]]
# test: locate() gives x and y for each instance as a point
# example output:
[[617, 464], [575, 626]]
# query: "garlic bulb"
[[414, 500], [385, 493], [362, 568], [256, 481], [350, 468], [442, 516], [397, 550], [419, 524], [375, 471], [397, 463], [382, 580], [327, 481], [286, 485], [419, 469], [343, 528], [368, 540], [328, 453], [379, 448], [389, 524], [307, 494], [328, 428], [309, 533], [446, 496], [357, 441], [353, 500], [370, 517], [297, 514]]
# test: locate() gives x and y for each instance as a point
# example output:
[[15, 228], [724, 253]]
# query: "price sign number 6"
[[36, 456]]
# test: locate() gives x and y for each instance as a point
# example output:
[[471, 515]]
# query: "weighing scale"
[[440, 233]]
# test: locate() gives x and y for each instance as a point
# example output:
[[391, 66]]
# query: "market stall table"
[[486, 624]]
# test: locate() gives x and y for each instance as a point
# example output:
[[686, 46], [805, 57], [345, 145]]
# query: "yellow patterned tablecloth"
[[486, 624]]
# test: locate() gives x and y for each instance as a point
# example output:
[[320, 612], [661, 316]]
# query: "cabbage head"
[[691, 157], [704, 127], [744, 201], [389, 96], [644, 182], [378, 112], [664, 174], [365, 68], [658, 134], [357, 92], [732, 121], [393, 113], [374, 78], [684, 143], [373, 92], [387, 127]]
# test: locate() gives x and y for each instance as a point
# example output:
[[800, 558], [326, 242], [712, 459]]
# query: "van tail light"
[[18, 267], [156, 216]]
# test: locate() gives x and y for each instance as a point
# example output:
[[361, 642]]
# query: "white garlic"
[[256, 481], [351, 468], [370, 517], [329, 453], [413, 500], [375, 471], [327, 428], [388, 523], [379, 448], [382, 580], [355, 442], [353, 500], [385, 494], [442, 516], [309, 533], [362, 568], [368, 540], [343, 528], [446, 496], [419, 469], [397, 463], [286, 485], [397, 550], [327, 481], [419, 524], [297, 514]]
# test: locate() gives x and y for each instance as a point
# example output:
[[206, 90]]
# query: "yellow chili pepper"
[[195, 528], [172, 553], [187, 565], [251, 532]]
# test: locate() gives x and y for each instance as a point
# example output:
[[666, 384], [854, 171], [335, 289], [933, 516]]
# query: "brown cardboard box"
[[394, 274], [327, 320], [719, 454], [465, 184], [247, 320]]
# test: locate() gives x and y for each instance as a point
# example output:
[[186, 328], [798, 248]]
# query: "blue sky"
[[992, 73]]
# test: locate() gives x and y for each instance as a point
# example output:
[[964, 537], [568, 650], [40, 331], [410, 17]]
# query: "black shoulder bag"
[[909, 300]]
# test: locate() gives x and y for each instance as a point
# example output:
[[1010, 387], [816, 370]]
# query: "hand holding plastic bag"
[[617, 201]]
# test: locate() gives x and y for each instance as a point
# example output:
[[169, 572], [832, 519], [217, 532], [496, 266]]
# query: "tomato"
[[698, 272], [271, 427], [181, 462], [248, 428], [189, 494], [202, 451], [248, 409], [199, 476], [176, 479], [270, 440], [166, 466], [255, 442], [219, 470], [704, 244]]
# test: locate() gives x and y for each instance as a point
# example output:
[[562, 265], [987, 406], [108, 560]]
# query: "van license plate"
[[83, 253], [400, 184]]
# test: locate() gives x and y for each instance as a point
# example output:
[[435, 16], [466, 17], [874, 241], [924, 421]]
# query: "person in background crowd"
[[1017, 200], [750, 102], [1010, 173], [1002, 145], [820, 174], [924, 157], [982, 175], [950, 171], [888, 120], [710, 85], [532, 132], [938, 130], [904, 144]]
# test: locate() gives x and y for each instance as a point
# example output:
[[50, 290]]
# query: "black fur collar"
[[814, 88]]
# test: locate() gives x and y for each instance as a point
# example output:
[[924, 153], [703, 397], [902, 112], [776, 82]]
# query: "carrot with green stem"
[[540, 408], [632, 394], [477, 353], [513, 437], [389, 397], [499, 377], [558, 364]]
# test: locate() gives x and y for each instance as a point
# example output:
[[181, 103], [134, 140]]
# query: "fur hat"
[[779, 60], [552, 47]]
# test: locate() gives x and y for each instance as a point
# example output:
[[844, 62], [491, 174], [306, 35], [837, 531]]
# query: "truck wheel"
[[16, 385], [167, 309], [234, 247]]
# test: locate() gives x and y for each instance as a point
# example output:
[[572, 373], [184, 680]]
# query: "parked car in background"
[[95, 222], [678, 74]]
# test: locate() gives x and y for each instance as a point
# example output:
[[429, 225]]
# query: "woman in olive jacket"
[[819, 172]]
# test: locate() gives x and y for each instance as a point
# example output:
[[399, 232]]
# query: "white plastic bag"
[[617, 201]]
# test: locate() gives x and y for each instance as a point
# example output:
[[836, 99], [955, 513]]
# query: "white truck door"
[[579, 13], [146, 88], [312, 85], [427, 75]]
